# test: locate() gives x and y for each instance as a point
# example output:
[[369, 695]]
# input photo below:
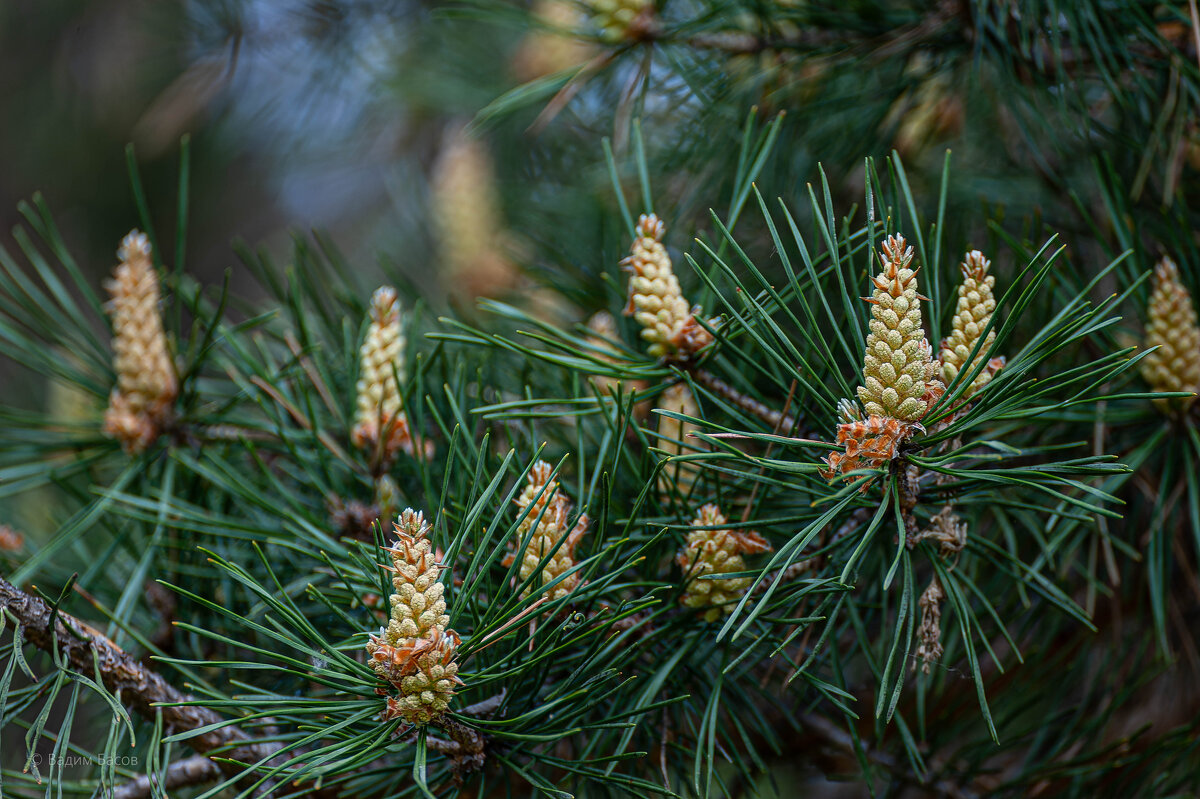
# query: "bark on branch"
[[87, 650], [194, 770], [775, 419]]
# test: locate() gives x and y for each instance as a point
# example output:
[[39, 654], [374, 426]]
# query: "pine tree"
[[750, 470]]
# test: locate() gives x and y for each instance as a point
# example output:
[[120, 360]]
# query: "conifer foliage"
[[737, 481]]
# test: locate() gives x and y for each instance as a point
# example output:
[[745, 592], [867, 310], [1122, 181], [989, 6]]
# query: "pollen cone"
[[655, 299], [143, 399], [415, 652], [1175, 365], [898, 362], [547, 519], [716, 552], [976, 303]]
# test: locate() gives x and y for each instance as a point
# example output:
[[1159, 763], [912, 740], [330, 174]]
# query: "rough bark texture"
[[139, 688], [778, 422], [195, 770]]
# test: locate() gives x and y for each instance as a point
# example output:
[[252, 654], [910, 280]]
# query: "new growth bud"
[[1175, 365], [673, 437], [655, 299], [898, 361], [552, 46], [716, 552], [621, 20], [467, 219], [548, 511], [604, 326], [415, 652], [380, 425], [976, 303], [900, 376], [142, 402]]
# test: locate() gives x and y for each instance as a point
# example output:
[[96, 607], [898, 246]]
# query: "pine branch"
[[485, 708], [195, 770], [778, 422], [144, 691], [465, 747], [933, 27], [840, 742]]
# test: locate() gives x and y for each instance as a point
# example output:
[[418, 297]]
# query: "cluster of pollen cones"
[[552, 539], [902, 381], [415, 652], [710, 552]]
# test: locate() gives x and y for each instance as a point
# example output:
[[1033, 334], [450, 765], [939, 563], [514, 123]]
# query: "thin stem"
[[777, 420], [87, 651], [195, 770]]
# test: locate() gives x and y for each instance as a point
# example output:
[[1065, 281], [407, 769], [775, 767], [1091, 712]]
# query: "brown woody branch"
[[87, 651], [465, 747], [778, 422], [946, 18], [195, 770]]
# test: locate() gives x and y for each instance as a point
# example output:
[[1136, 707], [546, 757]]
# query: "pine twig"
[[840, 741], [142, 690], [465, 747], [778, 422], [486, 708], [195, 770], [942, 20]]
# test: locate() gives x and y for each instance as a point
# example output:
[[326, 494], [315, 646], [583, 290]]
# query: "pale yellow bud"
[[543, 499], [655, 299], [621, 20], [552, 47], [976, 303], [379, 421], [381, 361], [715, 552], [467, 219], [1175, 365], [142, 401], [898, 364], [415, 652], [673, 437]]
